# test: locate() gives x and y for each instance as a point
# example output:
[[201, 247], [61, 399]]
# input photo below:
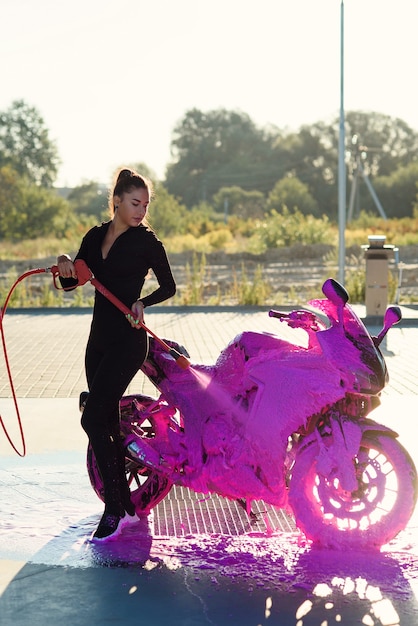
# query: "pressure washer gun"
[[84, 275]]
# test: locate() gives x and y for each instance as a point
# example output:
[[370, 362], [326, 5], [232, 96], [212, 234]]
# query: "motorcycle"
[[279, 421]]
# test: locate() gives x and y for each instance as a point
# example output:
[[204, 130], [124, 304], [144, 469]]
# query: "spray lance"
[[85, 275]]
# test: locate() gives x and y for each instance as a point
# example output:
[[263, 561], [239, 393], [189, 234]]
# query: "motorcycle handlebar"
[[297, 319], [277, 314]]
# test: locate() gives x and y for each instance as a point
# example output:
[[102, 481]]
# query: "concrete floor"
[[165, 574]]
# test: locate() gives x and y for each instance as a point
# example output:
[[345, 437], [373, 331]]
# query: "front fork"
[[338, 438], [336, 461]]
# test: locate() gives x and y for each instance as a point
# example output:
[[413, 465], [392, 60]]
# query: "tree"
[[309, 157], [290, 192], [25, 144], [11, 197], [166, 214], [217, 149], [237, 201], [89, 198], [45, 213], [385, 144], [29, 211], [399, 191], [224, 149]]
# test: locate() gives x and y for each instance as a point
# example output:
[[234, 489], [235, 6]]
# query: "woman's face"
[[132, 206]]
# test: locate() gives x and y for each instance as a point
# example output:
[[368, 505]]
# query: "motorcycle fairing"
[[373, 375], [278, 381]]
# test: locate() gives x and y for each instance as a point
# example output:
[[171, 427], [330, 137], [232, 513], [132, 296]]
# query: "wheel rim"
[[372, 501]]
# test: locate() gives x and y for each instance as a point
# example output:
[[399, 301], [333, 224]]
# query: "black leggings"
[[111, 363]]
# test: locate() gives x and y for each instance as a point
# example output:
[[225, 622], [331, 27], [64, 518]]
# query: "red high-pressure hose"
[[84, 275], [2, 313]]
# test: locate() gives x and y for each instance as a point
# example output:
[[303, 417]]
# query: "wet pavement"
[[163, 571]]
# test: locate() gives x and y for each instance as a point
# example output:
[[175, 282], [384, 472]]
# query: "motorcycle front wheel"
[[368, 517]]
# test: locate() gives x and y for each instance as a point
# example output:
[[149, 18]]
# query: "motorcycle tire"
[[147, 486], [367, 518]]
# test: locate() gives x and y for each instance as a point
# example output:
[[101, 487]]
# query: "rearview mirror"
[[393, 315], [335, 292]]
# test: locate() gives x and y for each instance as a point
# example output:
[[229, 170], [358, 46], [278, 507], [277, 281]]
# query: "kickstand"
[[243, 503]]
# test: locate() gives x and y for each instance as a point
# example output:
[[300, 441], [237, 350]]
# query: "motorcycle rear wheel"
[[366, 518], [147, 486]]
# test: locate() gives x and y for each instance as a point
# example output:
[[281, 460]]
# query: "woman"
[[120, 253]]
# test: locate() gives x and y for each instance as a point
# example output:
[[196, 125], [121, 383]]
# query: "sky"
[[112, 78]]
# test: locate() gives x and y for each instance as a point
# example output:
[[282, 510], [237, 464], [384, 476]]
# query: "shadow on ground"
[[253, 579]]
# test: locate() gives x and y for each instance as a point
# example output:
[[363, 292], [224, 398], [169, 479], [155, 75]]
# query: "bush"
[[290, 227]]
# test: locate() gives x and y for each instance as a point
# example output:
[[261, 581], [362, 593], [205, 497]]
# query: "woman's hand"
[[137, 314], [66, 267]]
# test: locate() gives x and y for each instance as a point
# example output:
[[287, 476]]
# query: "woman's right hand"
[[66, 267]]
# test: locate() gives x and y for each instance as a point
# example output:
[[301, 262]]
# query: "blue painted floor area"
[[319, 588]]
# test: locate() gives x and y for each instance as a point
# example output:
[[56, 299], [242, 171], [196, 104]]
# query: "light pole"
[[341, 161]]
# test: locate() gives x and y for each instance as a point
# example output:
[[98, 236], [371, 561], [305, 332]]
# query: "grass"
[[253, 291], [246, 286]]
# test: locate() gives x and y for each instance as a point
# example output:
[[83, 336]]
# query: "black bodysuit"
[[116, 351]]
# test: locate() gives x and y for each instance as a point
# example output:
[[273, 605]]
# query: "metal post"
[[372, 192], [341, 163]]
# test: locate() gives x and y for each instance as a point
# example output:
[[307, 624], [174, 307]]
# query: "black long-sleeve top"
[[123, 272]]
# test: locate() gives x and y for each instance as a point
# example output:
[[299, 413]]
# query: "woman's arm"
[[162, 270]]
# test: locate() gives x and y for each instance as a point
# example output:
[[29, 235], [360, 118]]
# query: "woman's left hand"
[[137, 314]]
